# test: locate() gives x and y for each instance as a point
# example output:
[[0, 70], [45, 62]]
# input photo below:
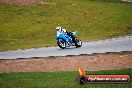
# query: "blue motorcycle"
[[64, 40]]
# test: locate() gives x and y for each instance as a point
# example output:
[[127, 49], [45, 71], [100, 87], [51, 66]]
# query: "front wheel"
[[78, 42], [61, 43]]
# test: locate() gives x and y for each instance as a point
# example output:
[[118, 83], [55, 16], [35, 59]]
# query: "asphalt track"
[[101, 46]]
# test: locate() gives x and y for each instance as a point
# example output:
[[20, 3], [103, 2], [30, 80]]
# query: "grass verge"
[[56, 80]]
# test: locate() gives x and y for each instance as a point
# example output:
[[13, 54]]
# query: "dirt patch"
[[70, 63], [21, 2]]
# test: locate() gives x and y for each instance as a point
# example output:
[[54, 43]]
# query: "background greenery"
[[34, 26]]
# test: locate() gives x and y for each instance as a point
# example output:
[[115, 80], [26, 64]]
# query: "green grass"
[[56, 80], [24, 27]]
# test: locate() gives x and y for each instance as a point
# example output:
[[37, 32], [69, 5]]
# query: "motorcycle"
[[64, 40]]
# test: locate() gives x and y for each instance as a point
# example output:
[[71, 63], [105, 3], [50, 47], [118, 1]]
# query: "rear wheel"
[[78, 42], [61, 43]]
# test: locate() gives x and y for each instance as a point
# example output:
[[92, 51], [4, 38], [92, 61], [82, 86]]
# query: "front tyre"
[[61, 43], [78, 42]]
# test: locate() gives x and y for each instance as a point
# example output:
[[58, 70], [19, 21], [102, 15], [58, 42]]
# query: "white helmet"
[[58, 28]]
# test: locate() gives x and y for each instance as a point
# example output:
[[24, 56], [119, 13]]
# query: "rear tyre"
[[61, 43], [78, 42]]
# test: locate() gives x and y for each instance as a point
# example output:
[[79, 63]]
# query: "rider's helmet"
[[58, 28]]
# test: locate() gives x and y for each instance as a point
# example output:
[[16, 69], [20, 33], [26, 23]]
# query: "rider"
[[60, 30]]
